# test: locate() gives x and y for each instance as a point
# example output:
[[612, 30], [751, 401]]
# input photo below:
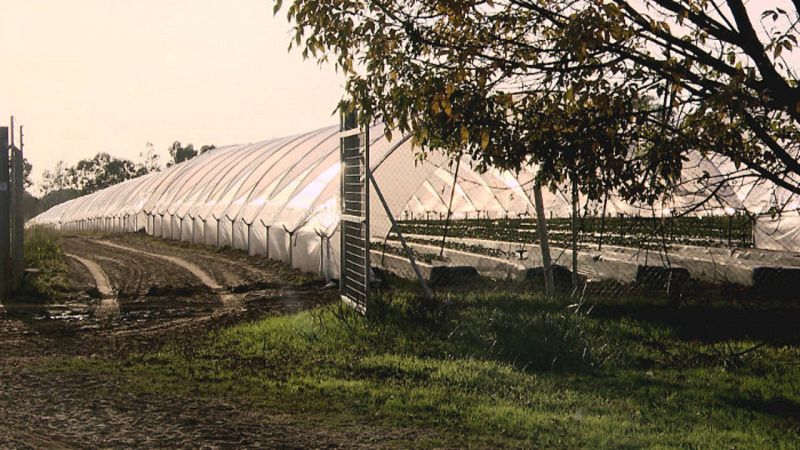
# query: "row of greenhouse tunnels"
[[280, 198]]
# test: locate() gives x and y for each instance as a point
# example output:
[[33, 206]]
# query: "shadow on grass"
[[711, 323], [516, 327], [780, 407]]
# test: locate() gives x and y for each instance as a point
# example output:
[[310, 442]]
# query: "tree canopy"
[[613, 92], [178, 153], [91, 174], [103, 170]]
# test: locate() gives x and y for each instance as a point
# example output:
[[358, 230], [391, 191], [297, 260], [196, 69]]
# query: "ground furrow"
[[109, 306], [194, 269]]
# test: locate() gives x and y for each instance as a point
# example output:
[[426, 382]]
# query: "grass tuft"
[[43, 252]]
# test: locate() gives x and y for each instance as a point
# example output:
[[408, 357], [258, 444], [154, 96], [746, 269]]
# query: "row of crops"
[[735, 231]]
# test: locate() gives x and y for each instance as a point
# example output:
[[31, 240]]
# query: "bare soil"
[[155, 303]]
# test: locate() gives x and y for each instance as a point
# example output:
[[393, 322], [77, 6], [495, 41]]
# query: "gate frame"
[[349, 127]]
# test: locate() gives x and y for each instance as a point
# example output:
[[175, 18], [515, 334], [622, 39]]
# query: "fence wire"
[[693, 258]]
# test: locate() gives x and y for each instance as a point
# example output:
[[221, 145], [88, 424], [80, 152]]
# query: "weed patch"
[[43, 253]]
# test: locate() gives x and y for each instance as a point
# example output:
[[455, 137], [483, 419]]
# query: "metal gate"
[[354, 229]]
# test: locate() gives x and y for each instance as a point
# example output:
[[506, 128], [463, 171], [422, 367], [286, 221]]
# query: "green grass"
[[43, 252], [505, 368]]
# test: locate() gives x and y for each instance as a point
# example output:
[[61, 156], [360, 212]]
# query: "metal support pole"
[[266, 241], [5, 235], [321, 254], [219, 243], [450, 205], [180, 229], [544, 241], [17, 217], [603, 224], [291, 253], [232, 231], [729, 231], [248, 236], [409, 254], [205, 238]]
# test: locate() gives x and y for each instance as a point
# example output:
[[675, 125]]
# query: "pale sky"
[[86, 76]]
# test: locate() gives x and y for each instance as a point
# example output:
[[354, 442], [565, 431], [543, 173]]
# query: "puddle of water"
[[66, 315]]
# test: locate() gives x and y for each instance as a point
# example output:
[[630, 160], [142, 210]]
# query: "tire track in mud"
[[228, 299], [155, 298], [136, 276], [63, 409], [109, 305], [152, 298], [239, 272]]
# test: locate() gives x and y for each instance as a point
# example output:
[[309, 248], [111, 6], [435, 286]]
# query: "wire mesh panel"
[[478, 229], [354, 154]]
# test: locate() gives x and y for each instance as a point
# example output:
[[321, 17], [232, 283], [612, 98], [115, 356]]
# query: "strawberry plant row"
[[644, 232]]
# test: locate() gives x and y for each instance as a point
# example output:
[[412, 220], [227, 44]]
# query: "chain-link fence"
[[470, 229], [678, 259]]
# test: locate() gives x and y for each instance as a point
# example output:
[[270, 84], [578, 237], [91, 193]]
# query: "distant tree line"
[[179, 153], [103, 170], [63, 182]]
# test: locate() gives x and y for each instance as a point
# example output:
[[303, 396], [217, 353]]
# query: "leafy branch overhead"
[[614, 93]]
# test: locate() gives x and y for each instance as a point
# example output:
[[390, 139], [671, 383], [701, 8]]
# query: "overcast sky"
[[86, 76]]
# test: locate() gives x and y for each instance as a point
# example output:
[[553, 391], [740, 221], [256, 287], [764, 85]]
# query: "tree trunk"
[[544, 243], [575, 234]]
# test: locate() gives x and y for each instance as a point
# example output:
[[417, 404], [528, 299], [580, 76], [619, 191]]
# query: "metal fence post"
[[17, 218], [5, 235]]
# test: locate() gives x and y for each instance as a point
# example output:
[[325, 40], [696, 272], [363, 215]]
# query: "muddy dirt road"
[[133, 293]]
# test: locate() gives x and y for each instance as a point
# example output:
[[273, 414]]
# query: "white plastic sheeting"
[[707, 187], [277, 198], [280, 197]]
